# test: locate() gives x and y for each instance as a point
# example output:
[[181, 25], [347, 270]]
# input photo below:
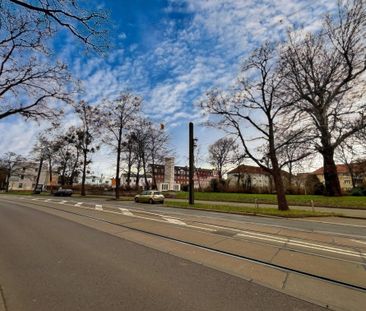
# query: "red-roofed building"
[[358, 170]]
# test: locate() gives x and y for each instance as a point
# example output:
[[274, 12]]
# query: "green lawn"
[[248, 210], [302, 200]]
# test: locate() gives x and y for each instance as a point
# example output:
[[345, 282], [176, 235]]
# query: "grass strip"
[[249, 210], [352, 202]]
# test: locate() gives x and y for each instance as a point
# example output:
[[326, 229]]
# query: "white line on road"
[[125, 211], [175, 221], [78, 204], [47, 200], [98, 207], [62, 202], [359, 241], [303, 244], [335, 223]]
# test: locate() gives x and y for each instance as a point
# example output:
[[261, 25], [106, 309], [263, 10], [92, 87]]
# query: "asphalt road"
[[348, 227], [49, 263]]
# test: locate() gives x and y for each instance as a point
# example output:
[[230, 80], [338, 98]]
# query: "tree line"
[[118, 124], [292, 99], [298, 97]]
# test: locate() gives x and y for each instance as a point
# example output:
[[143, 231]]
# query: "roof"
[[248, 169], [341, 168]]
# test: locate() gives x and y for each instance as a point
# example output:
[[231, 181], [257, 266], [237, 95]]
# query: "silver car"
[[150, 196]]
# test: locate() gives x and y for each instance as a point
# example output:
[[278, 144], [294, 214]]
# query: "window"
[[20, 185], [21, 176]]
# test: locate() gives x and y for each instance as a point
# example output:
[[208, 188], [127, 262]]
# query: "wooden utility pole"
[[191, 164]]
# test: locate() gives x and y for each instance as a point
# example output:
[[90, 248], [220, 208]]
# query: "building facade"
[[26, 177], [345, 176], [179, 175], [250, 178]]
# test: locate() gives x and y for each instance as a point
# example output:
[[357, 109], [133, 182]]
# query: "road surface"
[[59, 254]]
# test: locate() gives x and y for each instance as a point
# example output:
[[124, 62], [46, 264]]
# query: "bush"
[[358, 192], [214, 185], [184, 188], [314, 186]]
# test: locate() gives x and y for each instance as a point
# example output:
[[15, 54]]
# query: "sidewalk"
[[347, 212]]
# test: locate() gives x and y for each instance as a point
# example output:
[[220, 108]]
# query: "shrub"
[[358, 191], [184, 188]]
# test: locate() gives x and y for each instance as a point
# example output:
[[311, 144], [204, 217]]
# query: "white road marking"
[[303, 244], [98, 207], [47, 200], [335, 223], [78, 204], [175, 221], [358, 241], [125, 211], [271, 238], [62, 202]]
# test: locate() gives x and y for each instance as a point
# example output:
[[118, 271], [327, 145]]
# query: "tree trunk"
[[332, 186], [220, 173], [63, 179], [7, 182], [147, 186], [276, 170], [129, 167], [280, 190], [84, 175], [118, 180], [50, 169], [72, 175], [38, 174], [138, 174], [352, 174], [153, 174]]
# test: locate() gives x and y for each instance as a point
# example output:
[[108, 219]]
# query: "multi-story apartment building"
[[345, 176], [202, 176], [251, 178], [26, 176]]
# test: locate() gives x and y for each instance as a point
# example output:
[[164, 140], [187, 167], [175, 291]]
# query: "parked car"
[[150, 196], [63, 193]]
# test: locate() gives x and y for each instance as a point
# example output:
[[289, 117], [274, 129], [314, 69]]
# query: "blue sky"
[[171, 52]]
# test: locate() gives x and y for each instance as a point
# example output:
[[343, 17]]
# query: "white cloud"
[[188, 58]]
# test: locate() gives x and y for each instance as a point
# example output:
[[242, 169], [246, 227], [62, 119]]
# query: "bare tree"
[[31, 83], [117, 116], [13, 164], [223, 153], [140, 137], [323, 76], [27, 83], [45, 150], [51, 16], [66, 156], [129, 156], [85, 136], [158, 148], [257, 105]]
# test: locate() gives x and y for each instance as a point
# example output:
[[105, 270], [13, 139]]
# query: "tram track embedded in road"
[[215, 250]]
